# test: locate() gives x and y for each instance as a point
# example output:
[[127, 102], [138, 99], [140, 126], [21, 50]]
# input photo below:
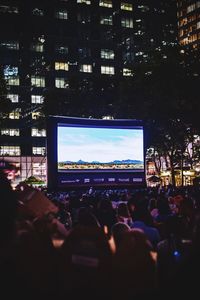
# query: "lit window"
[[13, 80], [10, 71], [88, 2], [13, 97], [38, 81], [127, 22], [191, 8], [41, 38], [10, 132], [38, 150], [105, 3], [36, 115], [139, 53], [39, 169], [37, 99], [144, 8], [61, 83], [15, 114], [61, 66], [127, 72], [106, 20], [38, 132], [37, 12], [10, 150], [126, 6], [37, 47], [11, 45], [62, 14], [107, 70], [9, 9], [107, 54], [86, 68], [61, 49]]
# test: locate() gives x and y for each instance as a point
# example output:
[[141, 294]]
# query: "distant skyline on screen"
[[99, 144]]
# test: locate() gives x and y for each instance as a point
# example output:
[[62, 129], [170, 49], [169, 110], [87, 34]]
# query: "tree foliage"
[[164, 93]]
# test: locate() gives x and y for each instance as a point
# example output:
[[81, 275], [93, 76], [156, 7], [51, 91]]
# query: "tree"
[[164, 93], [163, 88]]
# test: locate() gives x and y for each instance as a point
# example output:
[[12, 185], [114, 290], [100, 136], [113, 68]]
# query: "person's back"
[[86, 262], [134, 270]]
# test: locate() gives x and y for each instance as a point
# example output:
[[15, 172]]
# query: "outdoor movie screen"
[[86, 148], [85, 152]]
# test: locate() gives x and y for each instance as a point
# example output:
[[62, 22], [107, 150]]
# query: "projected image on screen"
[[81, 148]]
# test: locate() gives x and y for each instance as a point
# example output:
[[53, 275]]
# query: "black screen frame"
[[53, 176]]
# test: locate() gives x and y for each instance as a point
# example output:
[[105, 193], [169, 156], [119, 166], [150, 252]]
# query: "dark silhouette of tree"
[[164, 93]]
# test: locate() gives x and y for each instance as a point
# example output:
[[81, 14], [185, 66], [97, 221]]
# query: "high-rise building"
[[188, 14], [76, 53], [189, 23]]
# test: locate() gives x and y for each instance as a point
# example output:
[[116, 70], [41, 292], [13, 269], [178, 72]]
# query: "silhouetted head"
[[118, 231]]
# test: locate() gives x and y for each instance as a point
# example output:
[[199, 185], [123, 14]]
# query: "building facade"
[[69, 57], [189, 23]]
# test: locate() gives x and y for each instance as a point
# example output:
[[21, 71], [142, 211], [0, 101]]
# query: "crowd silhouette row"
[[119, 244]]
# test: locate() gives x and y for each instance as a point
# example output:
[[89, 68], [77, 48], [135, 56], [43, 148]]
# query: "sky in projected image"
[[99, 144]]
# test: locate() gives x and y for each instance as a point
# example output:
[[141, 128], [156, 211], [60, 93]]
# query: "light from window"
[[127, 72], [39, 169], [144, 8], [38, 132], [10, 150], [88, 2], [39, 151], [62, 15], [86, 68], [10, 71], [61, 83], [38, 81], [13, 80], [139, 53], [9, 9], [15, 114], [191, 8], [105, 3], [107, 70], [10, 132], [11, 45], [126, 6], [61, 49], [61, 66], [107, 54], [13, 97], [106, 20], [127, 22], [37, 47], [36, 115], [37, 12], [38, 99]]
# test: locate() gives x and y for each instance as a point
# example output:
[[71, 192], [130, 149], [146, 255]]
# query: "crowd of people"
[[113, 243]]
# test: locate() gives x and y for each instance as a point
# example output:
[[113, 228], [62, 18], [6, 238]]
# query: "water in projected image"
[[99, 148]]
